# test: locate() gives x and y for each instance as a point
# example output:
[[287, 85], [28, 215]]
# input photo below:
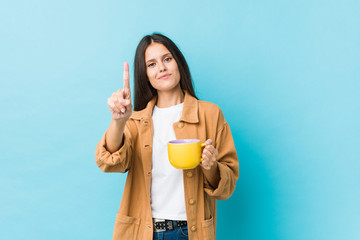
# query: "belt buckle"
[[170, 225], [157, 220]]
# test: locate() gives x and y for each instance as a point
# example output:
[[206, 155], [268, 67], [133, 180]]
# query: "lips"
[[164, 76]]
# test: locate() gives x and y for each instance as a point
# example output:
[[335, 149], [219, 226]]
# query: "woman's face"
[[161, 68]]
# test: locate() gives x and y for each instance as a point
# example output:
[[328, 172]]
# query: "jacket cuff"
[[106, 160], [223, 190]]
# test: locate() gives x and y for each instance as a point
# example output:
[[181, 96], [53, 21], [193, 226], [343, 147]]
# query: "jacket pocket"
[[208, 229], [126, 227]]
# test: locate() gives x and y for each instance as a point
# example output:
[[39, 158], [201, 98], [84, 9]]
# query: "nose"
[[162, 67]]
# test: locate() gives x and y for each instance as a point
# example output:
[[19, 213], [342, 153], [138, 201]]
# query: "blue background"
[[285, 73]]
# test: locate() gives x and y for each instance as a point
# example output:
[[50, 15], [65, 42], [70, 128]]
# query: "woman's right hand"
[[120, 101]]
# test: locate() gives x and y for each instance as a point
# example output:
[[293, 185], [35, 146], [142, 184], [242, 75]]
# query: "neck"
[[169, 98]]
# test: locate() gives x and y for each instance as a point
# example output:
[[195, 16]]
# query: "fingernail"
[[122, 110]]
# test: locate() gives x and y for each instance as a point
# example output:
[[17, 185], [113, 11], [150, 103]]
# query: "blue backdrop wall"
[[285, 73]]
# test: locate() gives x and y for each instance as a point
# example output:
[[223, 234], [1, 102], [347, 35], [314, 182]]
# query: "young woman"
[[160, 201]]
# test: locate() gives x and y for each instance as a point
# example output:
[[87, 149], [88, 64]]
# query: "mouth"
[[165, 76]]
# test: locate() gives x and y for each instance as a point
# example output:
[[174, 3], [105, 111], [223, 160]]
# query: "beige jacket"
[[199, 120]]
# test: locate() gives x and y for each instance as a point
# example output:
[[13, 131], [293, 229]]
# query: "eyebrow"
[[161, 56]]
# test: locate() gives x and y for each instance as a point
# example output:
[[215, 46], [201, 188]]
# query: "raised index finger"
[[126, 76]]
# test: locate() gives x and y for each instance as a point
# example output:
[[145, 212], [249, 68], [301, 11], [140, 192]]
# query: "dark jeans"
[[180, 233]]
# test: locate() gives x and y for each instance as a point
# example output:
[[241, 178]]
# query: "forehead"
[[155, 50]]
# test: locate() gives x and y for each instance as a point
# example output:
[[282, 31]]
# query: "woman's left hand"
[[209, 155]]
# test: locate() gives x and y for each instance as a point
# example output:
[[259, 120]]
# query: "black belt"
[[162, 225]]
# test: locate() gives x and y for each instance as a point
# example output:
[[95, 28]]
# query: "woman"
[[159, 200]]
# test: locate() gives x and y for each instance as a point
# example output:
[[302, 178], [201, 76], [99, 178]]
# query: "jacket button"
[[180, 125], [189, 174], [193, 229], [192, 201]]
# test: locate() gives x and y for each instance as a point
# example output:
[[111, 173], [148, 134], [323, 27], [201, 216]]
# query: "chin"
[[166, 87]]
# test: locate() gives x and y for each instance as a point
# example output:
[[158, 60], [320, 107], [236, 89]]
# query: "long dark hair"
[[144, 92]]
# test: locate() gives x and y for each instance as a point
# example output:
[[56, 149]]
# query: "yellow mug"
[[185, 153]]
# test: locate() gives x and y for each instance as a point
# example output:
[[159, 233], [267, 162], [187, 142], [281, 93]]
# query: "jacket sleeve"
[[120, 160], [228, 164]]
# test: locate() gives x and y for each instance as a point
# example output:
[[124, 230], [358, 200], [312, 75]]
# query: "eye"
[[151, 64], [166, 59]]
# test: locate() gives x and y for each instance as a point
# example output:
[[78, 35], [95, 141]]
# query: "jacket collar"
[[190, 110]]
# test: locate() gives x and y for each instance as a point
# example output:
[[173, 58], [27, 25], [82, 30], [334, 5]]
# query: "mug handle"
[[202, 145]]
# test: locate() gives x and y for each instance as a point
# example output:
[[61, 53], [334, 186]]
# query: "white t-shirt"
[[167, 186]]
